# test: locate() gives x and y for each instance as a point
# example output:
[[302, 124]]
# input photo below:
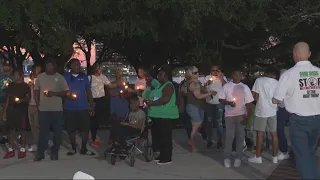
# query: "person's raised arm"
[[195, 88]]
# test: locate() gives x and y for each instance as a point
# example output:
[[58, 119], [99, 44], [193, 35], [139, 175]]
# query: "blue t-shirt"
[[78, 85]]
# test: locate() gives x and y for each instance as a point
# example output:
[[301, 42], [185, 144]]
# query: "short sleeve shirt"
[[97, 85], [18, 90], [240, 93], [54, 83], [136, 117], [78, 85], [265, 87], [216, 86], [299, 87]]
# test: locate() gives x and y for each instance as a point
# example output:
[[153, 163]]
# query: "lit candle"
[[74, 95], [211, 79], [124, 83], [121, 91], [29, 80], [138, 87], [16, 99], [46, 92], [126, 87], [234, 99], [6, 83]]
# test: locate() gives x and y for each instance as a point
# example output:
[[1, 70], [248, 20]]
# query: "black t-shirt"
[[18, 90]]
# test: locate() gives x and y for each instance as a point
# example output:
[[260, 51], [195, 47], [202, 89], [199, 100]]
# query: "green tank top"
[[169, 110]]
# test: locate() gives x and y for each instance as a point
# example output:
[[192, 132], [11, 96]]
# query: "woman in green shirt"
[[162, 110]]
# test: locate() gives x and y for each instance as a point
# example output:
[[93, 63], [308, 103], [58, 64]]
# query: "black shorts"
[[77, 120], [17, 117]]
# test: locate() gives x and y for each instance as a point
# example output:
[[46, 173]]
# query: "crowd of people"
[[76, 101]]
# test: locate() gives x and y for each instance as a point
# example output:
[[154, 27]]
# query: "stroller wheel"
[[132, 160], [113, 159], [148, 153]]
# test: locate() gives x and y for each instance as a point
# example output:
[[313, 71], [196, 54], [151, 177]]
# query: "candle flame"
[[124, 83], [29, 80], [74, 95], [126, 87], [16, 99], [45, 92], [121, 91], [234, 99]]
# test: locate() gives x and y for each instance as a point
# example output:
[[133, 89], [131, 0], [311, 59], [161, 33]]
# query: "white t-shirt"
[[242, 95], [216, 85], [97, 85], [265, 87], [299, 87]]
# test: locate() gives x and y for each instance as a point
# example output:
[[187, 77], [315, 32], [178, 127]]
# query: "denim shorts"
[[196, 113]]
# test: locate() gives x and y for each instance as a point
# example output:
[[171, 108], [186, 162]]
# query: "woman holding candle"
[[119, 104], [98, 82], [15, 112], [141, 84], [162, 110], [77, 110], [196, 94]]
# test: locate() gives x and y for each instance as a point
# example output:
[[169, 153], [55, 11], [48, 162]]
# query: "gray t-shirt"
[[54, 83]]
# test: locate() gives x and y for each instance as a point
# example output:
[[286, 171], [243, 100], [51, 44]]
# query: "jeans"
[[282, 117], [234, 128], [304, 133], [49, 119], [214, 112]]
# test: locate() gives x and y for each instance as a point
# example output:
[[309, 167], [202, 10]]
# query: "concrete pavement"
[[204, 164]]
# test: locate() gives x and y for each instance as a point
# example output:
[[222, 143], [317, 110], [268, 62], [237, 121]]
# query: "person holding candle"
[[196, 94], [98, 82], [119, 104], [49, 89], [214, 109], [141, 84], [237, 99], [5, 79], [77, 110], [163, 110], [32, 109], [16, 111]]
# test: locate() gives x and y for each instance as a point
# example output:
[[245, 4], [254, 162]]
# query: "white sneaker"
[[275, 160], [255, 159], [283, 156], [33, 148], [237, 163], [227, 163]]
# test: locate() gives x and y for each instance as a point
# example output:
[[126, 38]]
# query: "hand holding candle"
[[17, 100], [233, 103], [45, 92], [74, 96]]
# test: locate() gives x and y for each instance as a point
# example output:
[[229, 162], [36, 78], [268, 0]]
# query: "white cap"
[[81, 175]]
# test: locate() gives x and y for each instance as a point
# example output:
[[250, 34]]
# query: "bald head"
[[301, 52]]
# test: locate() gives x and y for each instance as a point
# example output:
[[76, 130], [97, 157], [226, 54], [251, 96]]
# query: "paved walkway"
[[205, 164]]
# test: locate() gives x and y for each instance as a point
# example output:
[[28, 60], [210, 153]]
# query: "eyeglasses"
[[195, 72]]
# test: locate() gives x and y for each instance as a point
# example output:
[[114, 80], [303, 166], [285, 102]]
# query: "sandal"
[[87, 153], [71, 152]]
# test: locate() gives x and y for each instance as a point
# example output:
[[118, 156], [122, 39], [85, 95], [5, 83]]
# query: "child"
[[237, 99], [15, 112], [136, 118]]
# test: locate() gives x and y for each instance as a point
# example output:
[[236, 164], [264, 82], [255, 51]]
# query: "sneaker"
[[33, 148], [275, 160], [227, 163], [209, 144], [164, 162], [255, 159], [22, 154], [96, 143], [4, 141], [237, 163], [283, 156], [9, 154], [157, 159]]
